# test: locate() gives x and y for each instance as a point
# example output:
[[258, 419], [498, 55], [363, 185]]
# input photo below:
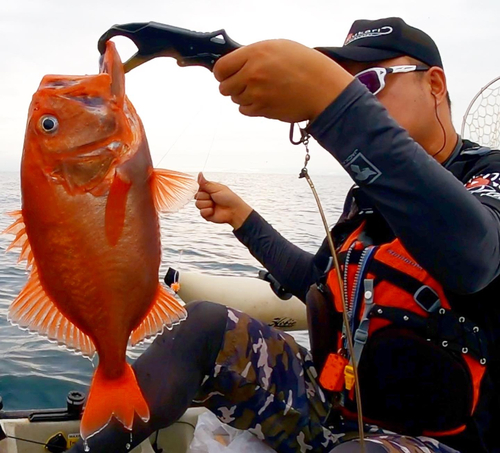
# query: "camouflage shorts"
[[264, 382]]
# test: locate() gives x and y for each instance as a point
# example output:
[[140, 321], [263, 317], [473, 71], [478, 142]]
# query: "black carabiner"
[[304, 135]]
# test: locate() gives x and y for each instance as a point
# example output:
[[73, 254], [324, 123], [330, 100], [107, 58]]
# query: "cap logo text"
[[372, 33]]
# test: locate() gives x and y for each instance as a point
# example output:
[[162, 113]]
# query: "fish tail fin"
[[120, 397]]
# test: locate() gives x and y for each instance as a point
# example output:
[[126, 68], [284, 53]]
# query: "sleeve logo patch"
[[487, 185], [360, 168]]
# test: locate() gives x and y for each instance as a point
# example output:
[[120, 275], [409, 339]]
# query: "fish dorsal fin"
[[172, 189], [166, 312], [34, 310], [112, 65], [21, 240]]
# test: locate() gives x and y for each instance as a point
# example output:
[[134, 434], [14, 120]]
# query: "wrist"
[[240, 215], [332, 88]]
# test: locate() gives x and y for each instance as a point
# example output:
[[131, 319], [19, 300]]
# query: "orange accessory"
[[332, 375]]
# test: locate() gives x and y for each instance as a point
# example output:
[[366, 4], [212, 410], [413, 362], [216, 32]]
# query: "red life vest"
[[385, 288]]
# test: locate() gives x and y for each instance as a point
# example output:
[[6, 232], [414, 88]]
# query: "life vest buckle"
[[427, 298], [361, 336]]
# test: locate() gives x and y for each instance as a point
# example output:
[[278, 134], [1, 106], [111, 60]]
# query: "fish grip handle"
[[153, 39]]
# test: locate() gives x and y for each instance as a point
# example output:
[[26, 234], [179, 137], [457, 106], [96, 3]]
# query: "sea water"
[[35, 373]]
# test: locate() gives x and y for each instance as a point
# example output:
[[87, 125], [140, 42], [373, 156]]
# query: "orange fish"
[[89, 230]]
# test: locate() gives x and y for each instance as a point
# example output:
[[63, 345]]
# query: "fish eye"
[[49, 123]]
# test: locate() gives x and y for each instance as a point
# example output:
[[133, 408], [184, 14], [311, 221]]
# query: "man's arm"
[[446, 228], [450, 232], [293, 267]]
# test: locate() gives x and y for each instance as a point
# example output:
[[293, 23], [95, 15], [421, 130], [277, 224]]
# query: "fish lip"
[[113, 148], [102, 159]]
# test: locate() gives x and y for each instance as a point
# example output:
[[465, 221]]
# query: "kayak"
[[56, 430], [261, 297]]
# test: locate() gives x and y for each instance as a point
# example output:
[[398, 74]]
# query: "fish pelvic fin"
[[116, 208], [21, 241], [119, 397], [167, 311], [172, 189], [34, 310]]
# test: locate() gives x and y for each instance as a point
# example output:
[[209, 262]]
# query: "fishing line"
[[34, 442], [184, 130], [188, 123], [182, 422], [175, 285], [209, 150], [304, 139], [216, 129]]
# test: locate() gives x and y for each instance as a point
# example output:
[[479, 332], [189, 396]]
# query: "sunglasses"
[[374, 78]]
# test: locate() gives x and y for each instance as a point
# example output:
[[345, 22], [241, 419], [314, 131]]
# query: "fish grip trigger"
[[153, 39]]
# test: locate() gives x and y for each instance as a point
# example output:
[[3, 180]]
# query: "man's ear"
[[437, 83]]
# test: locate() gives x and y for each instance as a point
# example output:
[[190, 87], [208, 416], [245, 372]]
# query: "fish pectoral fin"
[[34, 310], [167, 311], [120, 397], [172, 189], [116, 208], [21, 240]]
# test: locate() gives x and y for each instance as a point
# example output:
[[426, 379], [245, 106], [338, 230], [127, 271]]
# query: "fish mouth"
[[85, 172]]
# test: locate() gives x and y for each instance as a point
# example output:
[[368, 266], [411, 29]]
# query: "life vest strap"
[[443, 327], [361, 334], [426, 297]]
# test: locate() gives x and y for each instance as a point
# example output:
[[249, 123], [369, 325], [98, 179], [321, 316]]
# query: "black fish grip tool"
[[189, 48]]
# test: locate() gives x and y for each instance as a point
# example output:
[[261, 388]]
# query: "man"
[[418, 241]]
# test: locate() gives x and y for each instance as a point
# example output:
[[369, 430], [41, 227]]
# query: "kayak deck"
[[24, 436]]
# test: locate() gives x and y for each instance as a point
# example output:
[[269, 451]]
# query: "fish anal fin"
[[172, 189], [18, 229], [119, 397], [116, 208], [167, 311], [35, 311]]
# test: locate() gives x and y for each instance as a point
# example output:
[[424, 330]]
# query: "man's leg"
[[393, 443], [264, 382], [250, 375], [169, 373]]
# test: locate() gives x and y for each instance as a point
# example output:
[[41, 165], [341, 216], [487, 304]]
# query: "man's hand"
[[219, 204], [280, 79]]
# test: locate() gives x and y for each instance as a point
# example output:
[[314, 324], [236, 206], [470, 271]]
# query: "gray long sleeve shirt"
[[447, 216]]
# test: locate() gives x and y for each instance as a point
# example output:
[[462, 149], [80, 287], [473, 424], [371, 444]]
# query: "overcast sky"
[[189, 125]]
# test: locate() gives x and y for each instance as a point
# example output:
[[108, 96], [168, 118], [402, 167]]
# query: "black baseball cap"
[[382, 39]]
